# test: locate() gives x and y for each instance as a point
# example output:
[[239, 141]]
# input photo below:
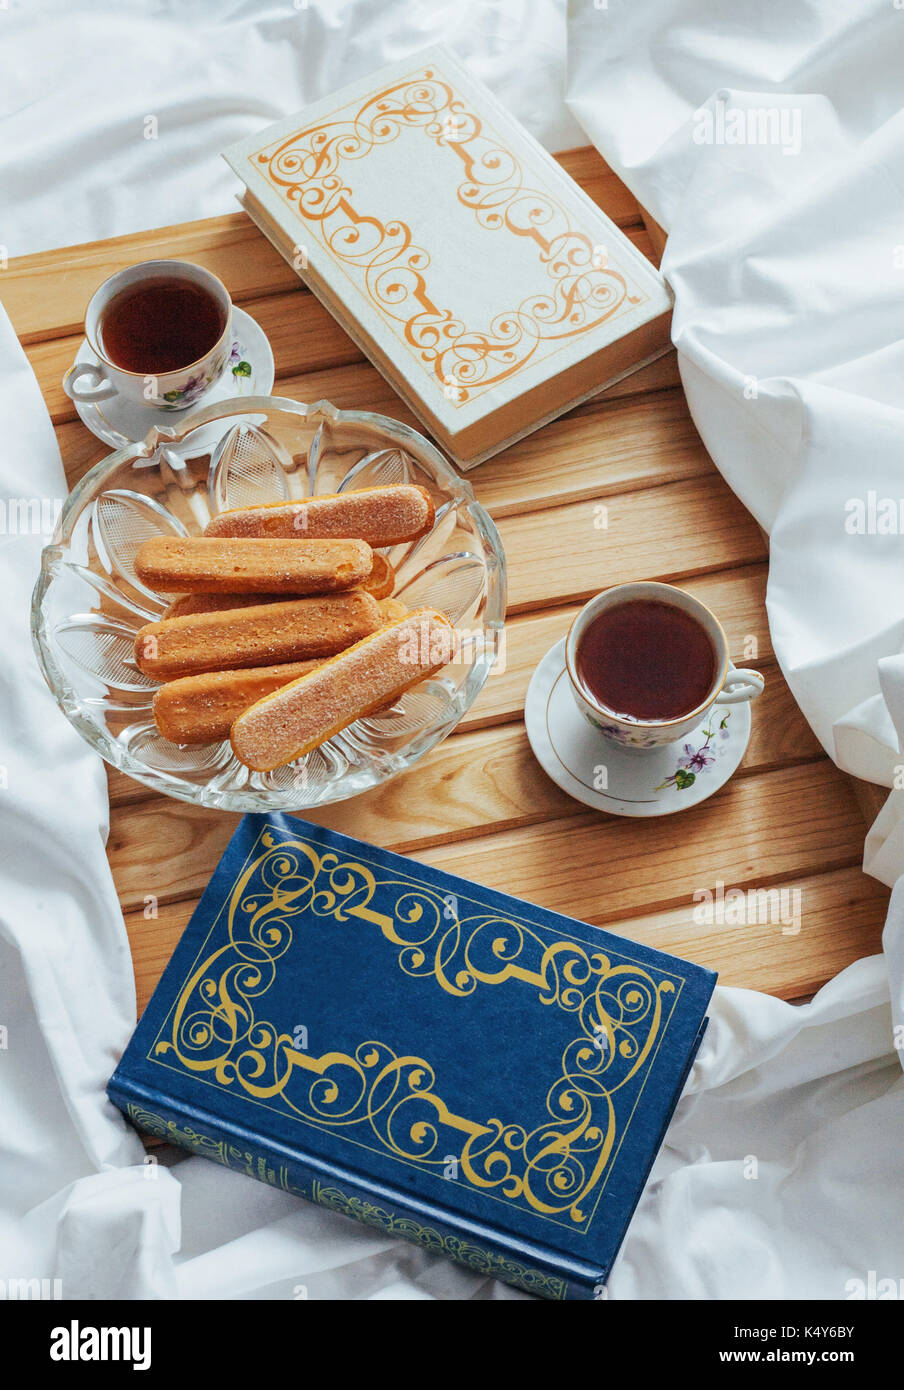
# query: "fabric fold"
[[786, 257]]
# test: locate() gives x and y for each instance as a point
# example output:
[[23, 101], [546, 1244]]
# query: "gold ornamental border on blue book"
[[389, 1104]]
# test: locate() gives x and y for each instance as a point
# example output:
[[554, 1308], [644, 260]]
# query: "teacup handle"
[[100, 388], [740, 685]]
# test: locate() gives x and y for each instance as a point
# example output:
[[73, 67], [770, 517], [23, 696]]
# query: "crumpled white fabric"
[[769, 142], [67, 997], [114, 112], [787, 262], [780, 1170], [780, 1178]]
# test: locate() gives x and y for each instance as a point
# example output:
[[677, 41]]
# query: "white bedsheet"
[[780, 1173], [786, 255], [113, 113]]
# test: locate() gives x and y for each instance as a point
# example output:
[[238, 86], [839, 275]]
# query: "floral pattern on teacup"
[[196, 386], [190, 392], [624, 737]]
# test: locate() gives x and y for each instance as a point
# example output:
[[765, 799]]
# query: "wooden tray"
[[479, 805]]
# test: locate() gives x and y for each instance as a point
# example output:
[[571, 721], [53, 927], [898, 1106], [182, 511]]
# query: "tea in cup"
[[162, 333], [646, 662]]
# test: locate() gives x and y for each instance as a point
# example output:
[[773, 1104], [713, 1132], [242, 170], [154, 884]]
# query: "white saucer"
[[250, 373], [622, 781]]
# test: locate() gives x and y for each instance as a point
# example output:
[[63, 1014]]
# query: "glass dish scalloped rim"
[[426, 454]]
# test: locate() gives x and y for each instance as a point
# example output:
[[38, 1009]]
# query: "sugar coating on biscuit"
[[257, 636], [203, 708], [363, 678], [186, 604], [381, 516], [173, 564]]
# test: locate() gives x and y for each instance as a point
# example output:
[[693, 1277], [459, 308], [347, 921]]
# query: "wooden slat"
[[165, 848], [488, 780], [303, 335], [842, 916], [841, 919], [486, 787], [870, 798], [45, 294], [757, 831], [666, 533], [736, 596], [622, 874], [587, 167], [600, 449], [658, 236]]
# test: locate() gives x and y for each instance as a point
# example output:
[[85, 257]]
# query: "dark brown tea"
[[160, 325], [646, 660]]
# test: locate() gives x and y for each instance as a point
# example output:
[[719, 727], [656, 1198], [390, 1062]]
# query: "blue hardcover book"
[[442, 1061]]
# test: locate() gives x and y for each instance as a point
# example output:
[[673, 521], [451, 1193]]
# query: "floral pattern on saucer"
[[239, 365], [694, 761], [621, 780]]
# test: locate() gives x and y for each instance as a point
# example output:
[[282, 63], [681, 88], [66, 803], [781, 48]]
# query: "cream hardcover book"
[[490, 291]]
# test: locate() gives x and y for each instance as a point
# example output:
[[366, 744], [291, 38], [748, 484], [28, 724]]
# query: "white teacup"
[[731, 686], [88, 383]]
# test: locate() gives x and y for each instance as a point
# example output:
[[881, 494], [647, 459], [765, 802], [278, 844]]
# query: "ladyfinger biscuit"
[[291, 721], [204, 564], [202, 709], [381, 580], [258, 636], [378, 515], [215, 603]]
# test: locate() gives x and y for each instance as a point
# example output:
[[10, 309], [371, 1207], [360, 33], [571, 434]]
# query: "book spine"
[[339, 1190]]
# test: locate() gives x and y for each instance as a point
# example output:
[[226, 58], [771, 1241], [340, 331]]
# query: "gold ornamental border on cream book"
[[312, 171]]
